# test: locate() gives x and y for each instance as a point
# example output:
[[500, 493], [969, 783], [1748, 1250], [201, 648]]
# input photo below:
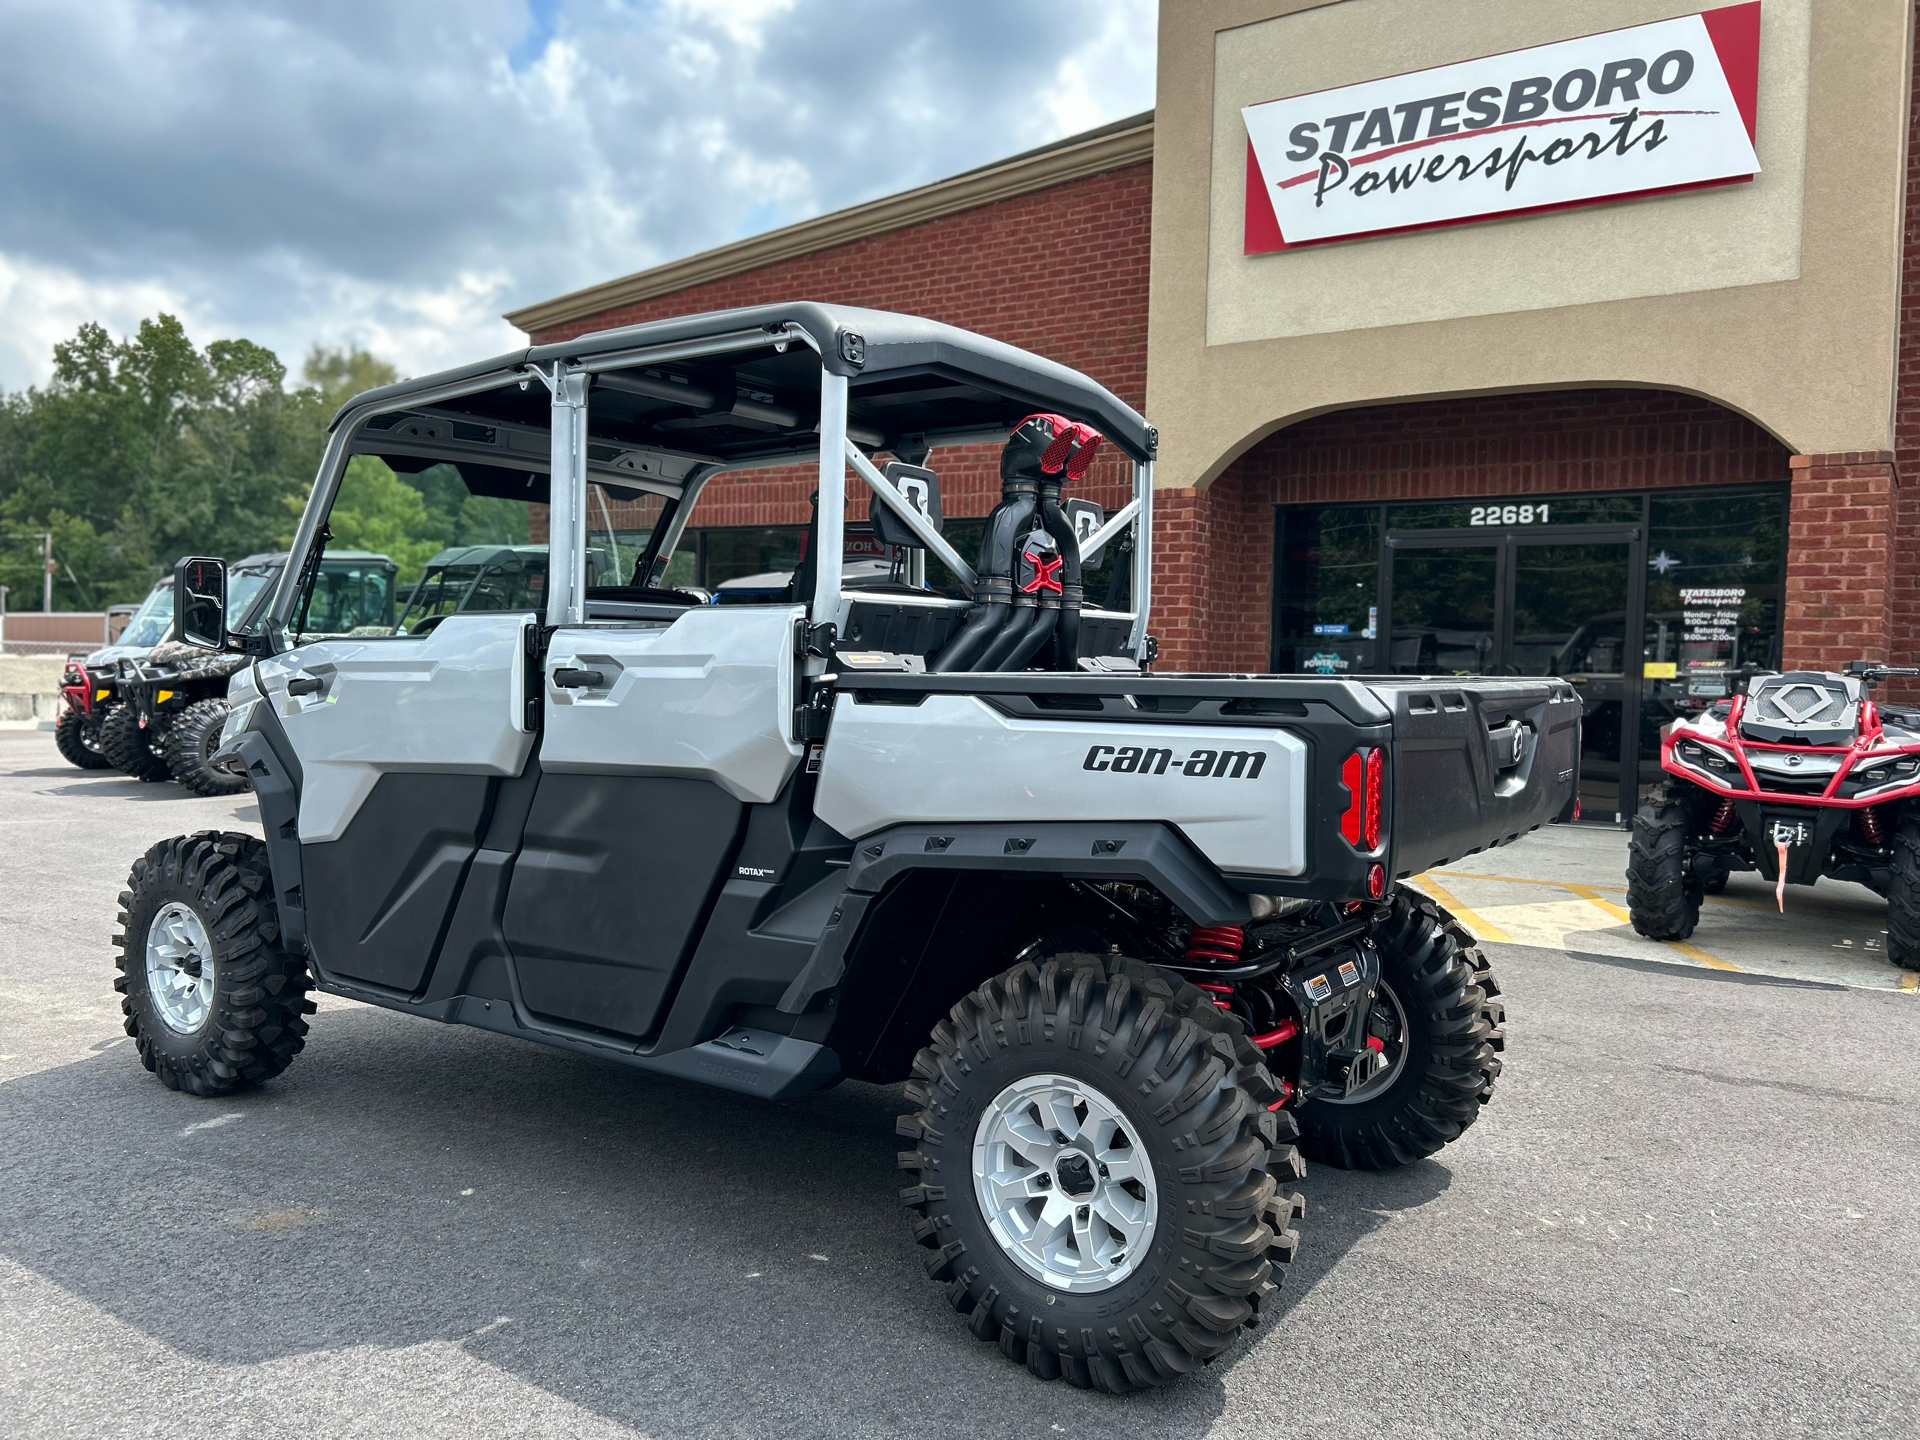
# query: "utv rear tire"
[[1903, 893], [1444, 1065], [1493, 1009], [241, 1023], [124, 743], [1190, 1092], [1662, 899], [189, 745], [78, 745]]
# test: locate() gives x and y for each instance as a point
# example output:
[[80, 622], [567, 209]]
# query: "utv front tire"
[[1440, 1027], [211, 1000], [189, 745], [77, 745], [1663, 901], [124, 744], [1124, 1061]]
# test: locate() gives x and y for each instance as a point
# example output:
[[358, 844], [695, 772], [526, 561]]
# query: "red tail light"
[[1376, 770], [1353, 776], [1363, 773]]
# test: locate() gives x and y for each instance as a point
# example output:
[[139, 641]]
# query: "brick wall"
[[1061, 272], [1839, 557], [1543, 442]]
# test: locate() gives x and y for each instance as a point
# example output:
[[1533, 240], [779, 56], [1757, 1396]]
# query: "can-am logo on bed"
[[1652, 108]]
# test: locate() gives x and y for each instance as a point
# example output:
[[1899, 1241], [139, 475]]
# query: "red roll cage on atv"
[[1803, 776]]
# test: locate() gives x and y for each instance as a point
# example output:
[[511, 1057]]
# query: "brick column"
[[1179, 577], [1840, 527], [1213, 575]]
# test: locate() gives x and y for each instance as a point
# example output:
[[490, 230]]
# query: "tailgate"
[[1476, 763]]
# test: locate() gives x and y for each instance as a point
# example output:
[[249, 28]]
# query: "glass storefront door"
[[1445, 610], [1570, 619], [1551, 585], [1525, 602]]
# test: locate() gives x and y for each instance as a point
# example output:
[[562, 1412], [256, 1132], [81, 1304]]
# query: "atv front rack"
[[1871, 771]]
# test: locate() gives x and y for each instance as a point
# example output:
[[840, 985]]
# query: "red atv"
[[1801, 777], [77, 730]]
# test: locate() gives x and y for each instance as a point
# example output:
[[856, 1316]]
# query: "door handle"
[[304, 685], [568, 678]]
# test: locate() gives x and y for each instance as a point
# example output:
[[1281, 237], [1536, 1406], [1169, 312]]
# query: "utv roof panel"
[[908, 376]]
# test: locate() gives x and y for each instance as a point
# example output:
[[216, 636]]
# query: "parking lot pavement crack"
[[1814, 1092]]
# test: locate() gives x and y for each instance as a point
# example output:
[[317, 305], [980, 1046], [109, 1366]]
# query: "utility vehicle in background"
[[1126, 936], [1800, 777], [90, 684], [170, 701]]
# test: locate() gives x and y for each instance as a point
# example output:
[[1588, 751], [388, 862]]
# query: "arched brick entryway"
[[1214, 548]]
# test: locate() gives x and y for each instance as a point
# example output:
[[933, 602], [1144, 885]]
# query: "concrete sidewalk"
[[1564, 888]]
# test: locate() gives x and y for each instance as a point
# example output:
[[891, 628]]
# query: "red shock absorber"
[[1215, 944], [1871, 830], [1722, 818]]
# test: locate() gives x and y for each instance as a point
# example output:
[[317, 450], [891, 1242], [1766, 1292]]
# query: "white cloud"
[[43, 304], [394, 174]]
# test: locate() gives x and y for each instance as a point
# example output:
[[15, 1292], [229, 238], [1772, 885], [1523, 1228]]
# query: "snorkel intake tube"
[[1029, 588]]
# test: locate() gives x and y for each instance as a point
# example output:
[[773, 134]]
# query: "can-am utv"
[[1125, 936]]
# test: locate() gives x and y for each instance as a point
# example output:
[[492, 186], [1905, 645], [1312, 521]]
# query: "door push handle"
[[568, 678], [304, 685]]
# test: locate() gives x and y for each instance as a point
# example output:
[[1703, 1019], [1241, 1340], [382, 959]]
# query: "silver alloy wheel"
[[180, 967], [1064, 1183], [1395, 1050]]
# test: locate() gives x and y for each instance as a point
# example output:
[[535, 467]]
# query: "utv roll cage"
[[662, 408]]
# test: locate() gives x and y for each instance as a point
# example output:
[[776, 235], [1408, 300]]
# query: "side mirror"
[[1086, 517], [200, 603], [920, 488]]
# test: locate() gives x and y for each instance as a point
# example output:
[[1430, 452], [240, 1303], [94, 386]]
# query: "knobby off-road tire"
[[1663, 900], [1193, 1094], [1443, 1028], [189, 745], [76, 746], [209, 894], [124, 744], [1903, 893], [1493, 1009]]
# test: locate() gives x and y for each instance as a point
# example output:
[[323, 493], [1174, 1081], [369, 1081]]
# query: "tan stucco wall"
[[1777, 298]]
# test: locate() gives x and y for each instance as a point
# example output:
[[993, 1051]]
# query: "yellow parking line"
[[1910, 980], [1589, 893], [1481, 928]]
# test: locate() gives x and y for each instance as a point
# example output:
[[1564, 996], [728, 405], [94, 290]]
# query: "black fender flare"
[[274, 775], [1146, 852]]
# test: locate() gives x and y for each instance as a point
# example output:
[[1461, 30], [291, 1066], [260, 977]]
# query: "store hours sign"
[[1645, 110]]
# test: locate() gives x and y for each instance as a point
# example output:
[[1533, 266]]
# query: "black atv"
[[1802, 776]]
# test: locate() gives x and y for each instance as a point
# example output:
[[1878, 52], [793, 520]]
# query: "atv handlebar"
[[1873, 673]]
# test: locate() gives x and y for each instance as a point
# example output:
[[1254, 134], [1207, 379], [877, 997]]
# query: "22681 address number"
[[1509, 515]]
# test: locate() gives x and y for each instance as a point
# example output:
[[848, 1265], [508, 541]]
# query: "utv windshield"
[[244, 589], [150, 621], [506, 579]]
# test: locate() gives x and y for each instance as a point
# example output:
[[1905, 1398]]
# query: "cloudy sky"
[[395, 173]]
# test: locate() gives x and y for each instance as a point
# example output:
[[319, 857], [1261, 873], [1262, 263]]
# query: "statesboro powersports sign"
[[1652, 108]]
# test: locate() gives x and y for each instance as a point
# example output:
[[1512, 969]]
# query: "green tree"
[[138, 451]]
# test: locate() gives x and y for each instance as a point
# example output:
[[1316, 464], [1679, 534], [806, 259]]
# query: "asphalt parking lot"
[[1689, 1210]]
